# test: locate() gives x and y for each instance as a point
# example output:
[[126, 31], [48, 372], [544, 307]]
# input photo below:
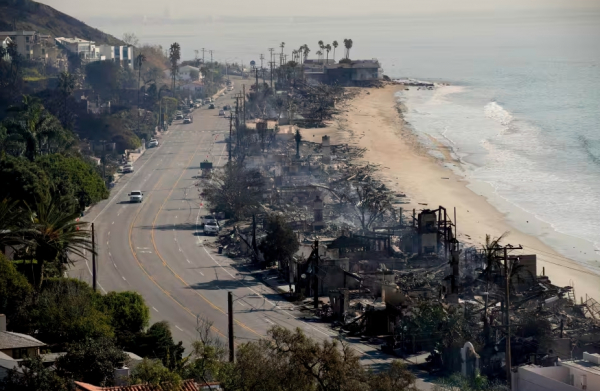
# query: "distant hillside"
[[30, 15]]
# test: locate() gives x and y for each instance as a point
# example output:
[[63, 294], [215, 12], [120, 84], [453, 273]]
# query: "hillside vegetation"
[[29, 15]]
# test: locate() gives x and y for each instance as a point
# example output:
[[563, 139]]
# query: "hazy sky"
[[175, 9]]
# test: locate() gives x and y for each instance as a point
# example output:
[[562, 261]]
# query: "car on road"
[[211, 106], [188, 120], [211, 228], [208, 219], [226, 107], [179, 116], [152, 143], [221, 112], [136, 196], [127, 168]]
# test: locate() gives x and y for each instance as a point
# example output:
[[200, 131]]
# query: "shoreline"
[[374, 120]]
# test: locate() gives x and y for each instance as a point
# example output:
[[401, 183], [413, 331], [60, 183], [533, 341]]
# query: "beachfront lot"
[[373, 120]]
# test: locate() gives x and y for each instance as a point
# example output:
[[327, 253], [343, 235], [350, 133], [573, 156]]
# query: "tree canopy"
[[281, 242], [74, 176]]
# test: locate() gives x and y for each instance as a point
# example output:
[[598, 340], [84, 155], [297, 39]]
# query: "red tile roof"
[[186, 385]]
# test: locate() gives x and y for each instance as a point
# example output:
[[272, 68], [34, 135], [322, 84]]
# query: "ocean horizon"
[[521, 111]]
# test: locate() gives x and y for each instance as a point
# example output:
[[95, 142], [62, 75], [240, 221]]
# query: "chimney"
[[121, 376], [2, 322]]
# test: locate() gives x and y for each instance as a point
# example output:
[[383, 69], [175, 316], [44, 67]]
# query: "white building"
[[120, 54], [184, 73], [85, 49], [566, 376], [88, 50]]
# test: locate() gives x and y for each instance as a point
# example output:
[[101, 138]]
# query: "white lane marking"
[[188, 261], [108, 233], [242, 304], [107, 242], [123, 188], [113, 222], [109, 254], [177, 327], [115, 265], [90, 270], [269, 321], [154, 309], [123, 278], [200, 272]]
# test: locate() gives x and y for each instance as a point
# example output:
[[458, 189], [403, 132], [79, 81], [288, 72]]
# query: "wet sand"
[[373, 120]]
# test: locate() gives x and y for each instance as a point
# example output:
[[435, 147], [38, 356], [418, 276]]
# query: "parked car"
[[188, 120], [211, 106], [178, 116], [208, 219], [127, 168], [136, 196], [221, 112], [211, 228], [226, 107], [152, 143]]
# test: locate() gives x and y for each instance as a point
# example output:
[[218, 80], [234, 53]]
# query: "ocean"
[[521, 110]]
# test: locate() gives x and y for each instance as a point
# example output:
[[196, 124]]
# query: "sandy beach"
[[373, 120]]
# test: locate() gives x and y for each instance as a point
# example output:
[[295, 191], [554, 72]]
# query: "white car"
[[211, 228], [136, 196], [153, 143], [127, 168]]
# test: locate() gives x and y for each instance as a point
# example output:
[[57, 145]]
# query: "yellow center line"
[[173, 271], [137, 259]]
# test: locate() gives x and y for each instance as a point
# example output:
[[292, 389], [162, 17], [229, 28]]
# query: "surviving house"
[[353, 73], [14, 347], [565, 376]]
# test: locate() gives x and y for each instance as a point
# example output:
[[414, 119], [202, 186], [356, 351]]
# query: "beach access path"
[[373, 120]]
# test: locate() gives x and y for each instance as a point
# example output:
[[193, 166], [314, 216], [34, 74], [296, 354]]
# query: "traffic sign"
[[252, 63]]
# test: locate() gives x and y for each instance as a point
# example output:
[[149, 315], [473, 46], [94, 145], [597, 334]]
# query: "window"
[[27, 39], [27, 47], [20, 353]]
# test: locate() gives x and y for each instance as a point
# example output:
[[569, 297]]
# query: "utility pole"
[[203, 50], [244, 102], [230, 140], [230, 324], [93, 259], [315, 275], [262, 57], [256, 70], [507, 272], [271, 51], [271, 63], [211, 59]]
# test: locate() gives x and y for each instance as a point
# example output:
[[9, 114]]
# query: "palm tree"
[[348, 45], [35, 126], [281, 45], [174, 56], [57, 235], [139, 61], [319, 54], [335, 45], [328, 49], [306, 51]]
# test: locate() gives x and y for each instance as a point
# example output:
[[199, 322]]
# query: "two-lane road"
[[158, 249]]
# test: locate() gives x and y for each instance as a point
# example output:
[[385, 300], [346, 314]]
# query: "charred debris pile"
[[337, 241]]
